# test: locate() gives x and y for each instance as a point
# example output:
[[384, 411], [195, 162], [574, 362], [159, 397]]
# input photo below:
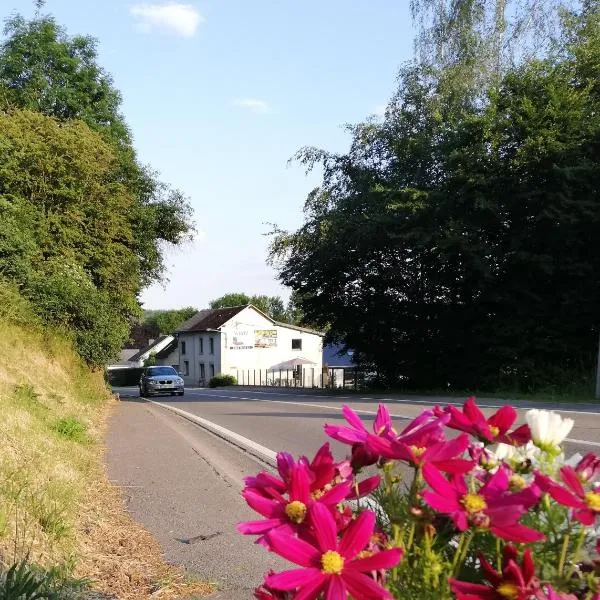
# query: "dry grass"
[[56, 504]]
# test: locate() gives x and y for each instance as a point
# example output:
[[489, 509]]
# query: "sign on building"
[[265, 338], [242, 339]]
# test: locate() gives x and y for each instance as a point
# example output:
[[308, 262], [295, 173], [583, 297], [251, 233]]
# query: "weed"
[[72, 429]]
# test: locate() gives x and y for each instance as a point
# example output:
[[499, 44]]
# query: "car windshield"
[[161, 371]]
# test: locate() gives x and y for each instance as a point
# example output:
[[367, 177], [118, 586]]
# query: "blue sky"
[[219, 94]]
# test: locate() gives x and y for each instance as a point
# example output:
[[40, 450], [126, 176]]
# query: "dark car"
[[161, 380]]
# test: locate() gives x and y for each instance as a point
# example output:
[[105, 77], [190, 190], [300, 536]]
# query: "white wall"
[[235, 350], [238, 361]]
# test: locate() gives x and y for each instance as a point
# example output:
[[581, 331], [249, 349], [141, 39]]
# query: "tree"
[[468, 256], [273, 306], [44, 70], [83, 223], [65, 230], [168, 321]]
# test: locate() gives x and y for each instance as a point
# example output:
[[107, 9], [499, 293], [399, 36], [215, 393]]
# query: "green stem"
[[580, 540], [498, 556], [457, 553], [563, 554]]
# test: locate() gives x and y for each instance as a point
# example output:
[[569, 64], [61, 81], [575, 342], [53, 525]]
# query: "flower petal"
[[336, 590], [382, 421], [290, 580], [258, 527], [439, 483], [324, 526], [361, 586], [267, 507], [336, 494], [312, 590], [569, 476], [358, 535], [503, 418], [294, 549], [386, 559], [517, 533]]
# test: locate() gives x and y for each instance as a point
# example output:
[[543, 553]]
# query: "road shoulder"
[[183, 485]]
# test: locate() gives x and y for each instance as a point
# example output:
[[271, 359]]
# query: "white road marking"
[[482, 403], [371, 412], [265, 454]]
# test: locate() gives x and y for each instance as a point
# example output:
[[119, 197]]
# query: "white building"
[[244, 342]]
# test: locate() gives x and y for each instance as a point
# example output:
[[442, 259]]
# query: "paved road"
[[182, 482]]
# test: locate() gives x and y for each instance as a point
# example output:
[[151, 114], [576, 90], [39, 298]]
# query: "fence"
[[342, 378]]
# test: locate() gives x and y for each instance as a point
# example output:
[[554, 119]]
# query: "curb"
[[263, 453]]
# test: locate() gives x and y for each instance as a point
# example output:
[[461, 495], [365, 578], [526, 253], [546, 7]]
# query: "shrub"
[[222, 380]]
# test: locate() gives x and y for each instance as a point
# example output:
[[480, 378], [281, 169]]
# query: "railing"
[[347, 378]]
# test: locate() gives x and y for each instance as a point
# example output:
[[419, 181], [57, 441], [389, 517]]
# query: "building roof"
[[148, 349], [334, 356], [166, 351], [210, 319], [298, 328]]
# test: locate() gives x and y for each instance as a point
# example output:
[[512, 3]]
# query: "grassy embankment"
[[57, 508]]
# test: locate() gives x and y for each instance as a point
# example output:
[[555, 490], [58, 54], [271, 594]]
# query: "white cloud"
[[173, 17], [253, 104]]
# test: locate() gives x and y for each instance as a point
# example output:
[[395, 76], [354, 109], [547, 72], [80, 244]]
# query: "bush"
[[222, 380]]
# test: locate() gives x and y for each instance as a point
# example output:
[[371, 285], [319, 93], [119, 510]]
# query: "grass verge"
[[57, 508]]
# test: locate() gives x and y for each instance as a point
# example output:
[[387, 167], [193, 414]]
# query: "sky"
[[220, 94]]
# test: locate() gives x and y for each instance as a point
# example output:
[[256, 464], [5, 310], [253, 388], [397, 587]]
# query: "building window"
[[212, 345], [212, 370], [182, 347], [186, 367], [297, 344], [201, 345], [202, 371]]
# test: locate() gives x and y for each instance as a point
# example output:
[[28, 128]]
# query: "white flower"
[[548, 429]]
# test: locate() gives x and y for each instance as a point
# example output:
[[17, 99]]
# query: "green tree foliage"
[[45, 70], [83, 223], [168, 321], [64, 233], [273, 306], [470, 253]]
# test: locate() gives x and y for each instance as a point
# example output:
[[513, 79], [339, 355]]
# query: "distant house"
[[244, 342], [155, 347]]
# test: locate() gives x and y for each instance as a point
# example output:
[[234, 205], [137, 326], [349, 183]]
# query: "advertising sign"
[[265, 338], [242, 339]]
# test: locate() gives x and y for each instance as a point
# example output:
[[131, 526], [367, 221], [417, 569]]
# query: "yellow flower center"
[[508, 590], [494, 431], [592, 499], [474, 503], [332, 562], [296, 511], [516, 483], [417, 451]]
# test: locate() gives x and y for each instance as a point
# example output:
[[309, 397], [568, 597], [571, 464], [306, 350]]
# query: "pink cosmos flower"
[[288, 513], [588, 467], [550, 594], [586, 504], [515, 582], [493, 507], [357, 433], [444, 455], [492, 430], [336, 567], [323, 473]]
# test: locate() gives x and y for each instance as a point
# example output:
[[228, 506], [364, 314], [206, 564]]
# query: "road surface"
[[183, 483]]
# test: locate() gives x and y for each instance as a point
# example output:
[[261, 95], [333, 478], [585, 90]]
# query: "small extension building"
[[244, 342]]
